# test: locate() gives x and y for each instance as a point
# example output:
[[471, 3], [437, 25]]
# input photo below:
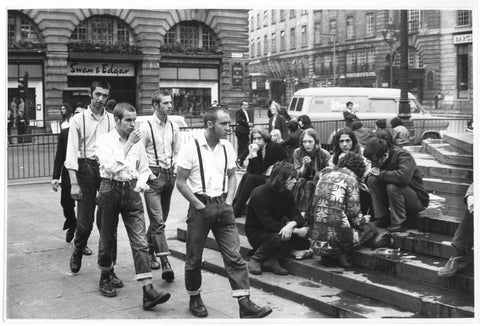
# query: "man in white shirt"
[[206, 178], [124, 171], [161, 138], [82, 165]]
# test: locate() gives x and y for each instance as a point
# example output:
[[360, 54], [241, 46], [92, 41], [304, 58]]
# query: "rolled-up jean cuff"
[[166, 253], [105, 269], [139, 277], [194, 292], [240, 293]]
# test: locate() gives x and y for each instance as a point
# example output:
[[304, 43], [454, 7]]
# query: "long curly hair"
[[336, 143], [281, 172], [353, 162]]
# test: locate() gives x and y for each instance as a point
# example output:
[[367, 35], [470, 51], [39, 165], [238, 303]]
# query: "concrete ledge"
[[462, 141]]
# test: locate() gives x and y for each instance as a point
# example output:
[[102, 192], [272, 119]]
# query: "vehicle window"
[[414, 106], [383, 106], [300, 104], [292, 104]]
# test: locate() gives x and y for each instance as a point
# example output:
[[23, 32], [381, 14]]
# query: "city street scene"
[[207, 164]]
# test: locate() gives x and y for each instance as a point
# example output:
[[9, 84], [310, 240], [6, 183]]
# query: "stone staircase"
[[383, 283]]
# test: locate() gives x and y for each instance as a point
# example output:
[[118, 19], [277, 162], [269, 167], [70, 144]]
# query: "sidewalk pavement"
[[39, 284]]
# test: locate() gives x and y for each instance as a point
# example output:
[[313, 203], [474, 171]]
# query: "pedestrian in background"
[[81, 162], [244, 122], [206, 178], [276, 136], [110, 105], [277, 121], [400, 135], [161, 138], [349, 114], [124, 171], [293, 139], [66, 200], [304, 122]]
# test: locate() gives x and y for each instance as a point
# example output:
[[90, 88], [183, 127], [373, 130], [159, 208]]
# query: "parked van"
[[328, 104]]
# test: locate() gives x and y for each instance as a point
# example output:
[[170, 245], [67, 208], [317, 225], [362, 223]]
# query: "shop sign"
[[462, 38], [100, 69], [361, 74], [237, 75], [237, 55]]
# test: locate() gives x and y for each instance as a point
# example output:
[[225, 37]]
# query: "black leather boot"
[[248, 309], [197, 307], [76, 260], [114, 280], [154, 264], [152, 297], [106, 289], [167, 271], [272, 265]]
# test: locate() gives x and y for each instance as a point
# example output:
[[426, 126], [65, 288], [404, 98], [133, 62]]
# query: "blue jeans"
[[218, 217], [463, 237], [115, 198], [157, 200], [402, 200]]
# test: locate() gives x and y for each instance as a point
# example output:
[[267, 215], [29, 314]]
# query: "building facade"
[[198, 55], [294, 49]]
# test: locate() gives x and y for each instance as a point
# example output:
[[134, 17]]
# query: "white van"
[[327, 104]]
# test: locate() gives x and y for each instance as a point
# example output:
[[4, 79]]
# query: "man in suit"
[[242, 131]]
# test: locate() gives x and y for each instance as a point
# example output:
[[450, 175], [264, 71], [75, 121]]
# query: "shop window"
[[414, 59], [103, 30], [20, 28], [462, 71]]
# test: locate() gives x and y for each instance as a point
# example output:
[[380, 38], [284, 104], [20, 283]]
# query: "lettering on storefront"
[[354, 47], [361, 74], [462, 38], [100, 69]]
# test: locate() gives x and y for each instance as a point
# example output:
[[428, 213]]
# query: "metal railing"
[[33, 155]]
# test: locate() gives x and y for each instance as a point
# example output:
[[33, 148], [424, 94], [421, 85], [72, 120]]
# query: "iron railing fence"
[[33, 155]]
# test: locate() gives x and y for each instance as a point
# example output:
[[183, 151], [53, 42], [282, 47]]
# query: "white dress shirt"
[[115, 165], [77, 134], [213, 165]]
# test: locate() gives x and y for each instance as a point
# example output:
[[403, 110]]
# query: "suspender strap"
[[84, 137], [204, 188], [154, 144], [225, 170], [173, 139]]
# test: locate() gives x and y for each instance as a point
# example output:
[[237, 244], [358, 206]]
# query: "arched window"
[[414, 59], [103, 29], [21, 28], [191, 35]]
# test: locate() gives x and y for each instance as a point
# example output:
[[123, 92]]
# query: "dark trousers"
[[116, 198], [242, 146], [463, 237], [247, 184], [402, 200], [68, 204], [157, 200], [217, 217], [88, 177], [275, 247]]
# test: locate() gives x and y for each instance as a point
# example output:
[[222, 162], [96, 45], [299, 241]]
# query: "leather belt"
[[207, 199]]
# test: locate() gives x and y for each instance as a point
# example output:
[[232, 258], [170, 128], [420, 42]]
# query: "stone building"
[[294, 49], [200, 55]]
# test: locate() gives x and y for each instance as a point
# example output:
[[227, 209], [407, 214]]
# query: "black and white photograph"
[[289, 162]]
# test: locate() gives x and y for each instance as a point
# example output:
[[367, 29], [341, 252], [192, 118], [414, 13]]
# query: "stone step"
[[422, 299], [462, 141], [435, 221], [422, 254], [316, 295], [446, 153], [431, 168], [440, 186]]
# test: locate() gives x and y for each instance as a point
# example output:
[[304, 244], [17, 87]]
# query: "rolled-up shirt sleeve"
[[71, 158]]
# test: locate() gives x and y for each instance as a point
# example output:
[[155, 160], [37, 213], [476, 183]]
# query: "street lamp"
[[391, 35]]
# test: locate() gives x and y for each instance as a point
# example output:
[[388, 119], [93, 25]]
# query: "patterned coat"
[[336, 213]]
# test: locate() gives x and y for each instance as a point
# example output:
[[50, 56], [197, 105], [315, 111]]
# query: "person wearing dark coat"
[[395, 183], [276, 120], [243, 120], [274, 225], [293, 140], [363, 134], [349, 114], [263, 154], [304, 122]]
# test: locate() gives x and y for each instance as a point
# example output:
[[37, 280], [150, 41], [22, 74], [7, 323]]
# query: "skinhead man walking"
[[161, 138], [206, 178], [81, 162], [124, 171]]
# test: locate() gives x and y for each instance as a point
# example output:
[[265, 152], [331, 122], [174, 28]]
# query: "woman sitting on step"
[[338, 225], [274, 226]]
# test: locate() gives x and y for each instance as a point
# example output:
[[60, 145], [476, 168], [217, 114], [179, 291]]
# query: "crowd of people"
[[299, 199]]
